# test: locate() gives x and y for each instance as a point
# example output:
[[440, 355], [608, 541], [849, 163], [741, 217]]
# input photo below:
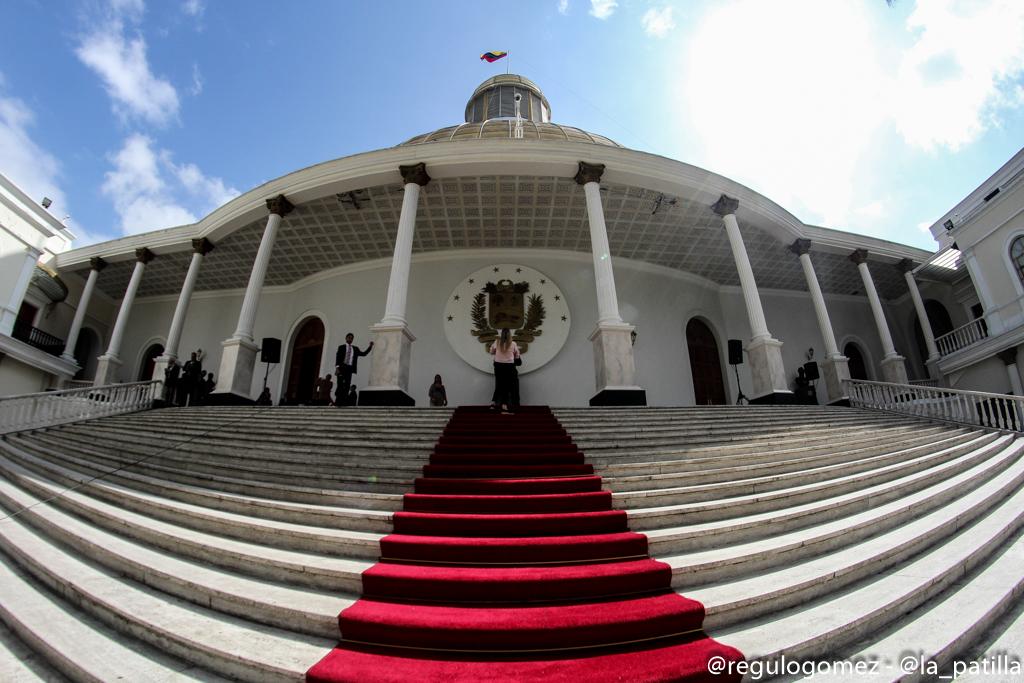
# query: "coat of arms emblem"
[[505, 304]]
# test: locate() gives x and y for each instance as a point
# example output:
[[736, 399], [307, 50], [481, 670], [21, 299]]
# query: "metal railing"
[[1000, 411], [35, 337], [32, 411], [962, 337]]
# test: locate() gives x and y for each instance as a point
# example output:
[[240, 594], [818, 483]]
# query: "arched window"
[[1017, 256]]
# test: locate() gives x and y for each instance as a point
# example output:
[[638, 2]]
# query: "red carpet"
[[508, 564]]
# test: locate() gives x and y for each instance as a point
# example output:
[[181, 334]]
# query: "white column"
[[200, 248], [893, 368], [835, 367], [97, 264], [614, 366], [390, 360], [238, 359], [906, 266], [995, 323], [106, 370], [764, 352], [13, 305], [1009, 358]]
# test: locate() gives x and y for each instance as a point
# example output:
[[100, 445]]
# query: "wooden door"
[[304, 366], [705, 364]]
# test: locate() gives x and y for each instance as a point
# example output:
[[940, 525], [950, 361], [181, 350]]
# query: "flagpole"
[[508, 64]]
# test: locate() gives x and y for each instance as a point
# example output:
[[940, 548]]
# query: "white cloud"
[[563, 6], [874, 210], [785, 102], [123, 66], [194, 8], [959, 71], [602, 9], [925, 226], [24, 162], [197, 81], [149, 190], [658, 23]]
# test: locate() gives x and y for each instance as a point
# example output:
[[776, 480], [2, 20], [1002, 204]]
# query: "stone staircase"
[[229, 550]]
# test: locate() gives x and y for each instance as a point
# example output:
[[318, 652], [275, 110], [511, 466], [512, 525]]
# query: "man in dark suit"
[[346, 362]]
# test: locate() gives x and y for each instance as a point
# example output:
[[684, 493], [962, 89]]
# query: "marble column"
[[388, 383], [614, 369], [835, 367], [906, 266], [238, 359], [764, 352], [9, 311], [893, 368], [991, 315], [200, 248], [96, 266], [110, 362], [1009, 358]]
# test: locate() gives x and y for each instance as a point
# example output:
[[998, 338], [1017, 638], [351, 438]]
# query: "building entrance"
[[705, 364], [304, 367]]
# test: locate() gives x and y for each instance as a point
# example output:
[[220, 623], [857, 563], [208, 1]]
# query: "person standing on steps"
[[437, 394], [346, 362], [506, 357], [191, 374]]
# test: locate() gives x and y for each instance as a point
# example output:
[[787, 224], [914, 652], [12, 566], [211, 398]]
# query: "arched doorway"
[[858, 368], [304, 367], [941, 323], [87, 349], [146, 370], [705, 364]]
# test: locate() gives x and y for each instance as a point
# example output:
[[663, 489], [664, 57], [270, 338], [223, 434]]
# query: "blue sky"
[[135, 116]]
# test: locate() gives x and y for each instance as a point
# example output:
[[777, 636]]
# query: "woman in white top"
[[505, 353]]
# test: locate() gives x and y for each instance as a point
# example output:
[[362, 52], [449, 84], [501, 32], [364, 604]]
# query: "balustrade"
[[1000, 411], [33, 411]]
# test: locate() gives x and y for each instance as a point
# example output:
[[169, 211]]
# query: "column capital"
[[202, 246], [1009, 356], [905, 266], [144, 255], [859, 256], [800, 247], [97, 264], [725, 205], [588, 173], [417, 173], [280, 205]]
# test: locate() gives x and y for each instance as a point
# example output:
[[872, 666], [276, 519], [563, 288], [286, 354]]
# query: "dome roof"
[[505, 128], [492, 113]]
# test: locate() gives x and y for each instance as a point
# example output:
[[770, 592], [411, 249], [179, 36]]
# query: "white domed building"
[[605, 262]]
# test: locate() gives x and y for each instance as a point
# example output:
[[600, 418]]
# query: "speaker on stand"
[[270, 353], [736, 360]]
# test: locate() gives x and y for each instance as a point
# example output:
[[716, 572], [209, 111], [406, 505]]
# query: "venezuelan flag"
[[493, 56]]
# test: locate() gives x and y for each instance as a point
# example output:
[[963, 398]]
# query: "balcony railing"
[[33, 411], [37, 338], [1000, 411], [962, 337]]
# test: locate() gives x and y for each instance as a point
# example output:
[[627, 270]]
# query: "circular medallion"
[[522, 299]]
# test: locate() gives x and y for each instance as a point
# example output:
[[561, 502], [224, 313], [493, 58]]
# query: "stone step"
[[726, 468], [842, 618], [946, 506], [304, 610], [20, 664], [229, 646], [339, 570], [901, 478], [80, 646], [673, 539]]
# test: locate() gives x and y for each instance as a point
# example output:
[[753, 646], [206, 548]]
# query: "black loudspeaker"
[[735, 352], [811, 371], [271, 350]]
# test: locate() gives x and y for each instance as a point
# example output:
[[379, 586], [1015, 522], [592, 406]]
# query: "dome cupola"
[[495, 98]]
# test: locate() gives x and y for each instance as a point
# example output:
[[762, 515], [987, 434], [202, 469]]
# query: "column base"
[[776, 398], [841, 403], [389, 360], [934, 372], [228, 399], [613, 358], [385, 396], [237, 365], [107, 370], [835, 370], [620, 396], [894, 370], [766, 369]]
